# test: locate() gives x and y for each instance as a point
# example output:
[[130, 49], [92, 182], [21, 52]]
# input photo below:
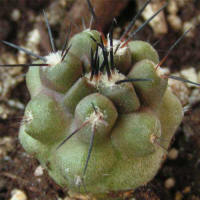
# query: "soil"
[[17, 167]]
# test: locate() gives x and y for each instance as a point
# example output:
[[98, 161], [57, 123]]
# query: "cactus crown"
[[105, 124]]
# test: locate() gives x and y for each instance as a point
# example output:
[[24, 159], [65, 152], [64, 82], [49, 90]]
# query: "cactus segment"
[[148, 90], [82, 43], [170, 111], [62, 76], [78, 91], [142, 134], [142, 50], [123, 95], [33, 80], [100, 112], [122, 58], [136, 172], [33, 146], [71, 164], [48, 126]]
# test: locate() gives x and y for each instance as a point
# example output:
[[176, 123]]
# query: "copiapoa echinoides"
[[97, 109]]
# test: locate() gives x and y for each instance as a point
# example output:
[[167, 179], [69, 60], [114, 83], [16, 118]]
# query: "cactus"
[[129, 124], [103, 126]]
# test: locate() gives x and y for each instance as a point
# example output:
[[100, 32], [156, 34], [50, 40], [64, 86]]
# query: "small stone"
[[195, 96], [10, 77], [15, 15], [3, 184], [179, 89], [33, 38], [175, 22], [198, 75], [39, 171], [16, 104], [187, 26], [169, 183], [187, 190], [63, 3], [173, 154], [158, 24], [189, 74], [22, 57], [182, 3], [6, 145], [4, 111], [172, 7], [17, 194], [2, 153], [178, 196], [74, 195]]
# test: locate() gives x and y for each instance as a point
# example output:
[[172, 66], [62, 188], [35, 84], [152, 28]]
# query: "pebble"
[[182, 3], [172, 7], [169, 183], [195, 96], [39, 171], [179, 89], [5, 111], [18, 195], [158, 24], [73, 195], [178, 196], [33, 39], [10, 77], [173, 154], [15, 15], [21, 56], [189, 74], [175, 22], [16, 104], [187, 190], [198, 76], [189, 25], [63, 3], [6, 145]]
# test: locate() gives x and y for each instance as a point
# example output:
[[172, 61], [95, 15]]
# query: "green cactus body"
[[129, 122]]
